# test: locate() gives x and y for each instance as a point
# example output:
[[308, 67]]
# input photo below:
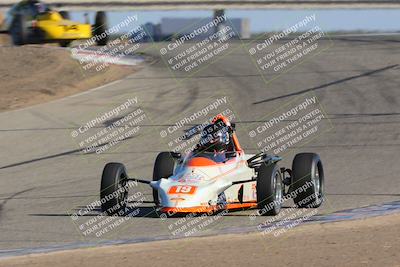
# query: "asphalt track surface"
[[44, 177]]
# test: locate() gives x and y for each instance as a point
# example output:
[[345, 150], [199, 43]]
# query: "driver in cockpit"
[[215, 141]]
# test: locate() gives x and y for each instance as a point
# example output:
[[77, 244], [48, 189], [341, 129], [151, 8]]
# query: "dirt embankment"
[[370, 242], [35, 74]]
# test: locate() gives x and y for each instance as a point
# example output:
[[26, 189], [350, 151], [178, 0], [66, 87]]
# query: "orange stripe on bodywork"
[[206, 209], [232, 206], [201, 162], [197, 209]]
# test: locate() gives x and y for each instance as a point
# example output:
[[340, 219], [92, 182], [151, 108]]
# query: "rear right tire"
[[100, 28], [308, 180]]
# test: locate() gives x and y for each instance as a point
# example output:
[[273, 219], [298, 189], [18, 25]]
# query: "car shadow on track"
[[152, 211]]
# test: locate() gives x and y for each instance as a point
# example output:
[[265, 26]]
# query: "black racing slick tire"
[[163, 168], [113, 191], [65, 43], [100, 28], [269, 189], [308, 180], [19, 30]]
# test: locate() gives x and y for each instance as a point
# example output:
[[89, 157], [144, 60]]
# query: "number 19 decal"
[[182, 189]]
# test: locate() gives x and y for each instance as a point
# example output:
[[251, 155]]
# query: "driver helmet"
[[215, 137], [39, 7]]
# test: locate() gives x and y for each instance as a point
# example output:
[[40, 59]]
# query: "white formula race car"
[[219, 175]]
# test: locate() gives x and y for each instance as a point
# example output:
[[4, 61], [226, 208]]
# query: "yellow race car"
[[33, 22]]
